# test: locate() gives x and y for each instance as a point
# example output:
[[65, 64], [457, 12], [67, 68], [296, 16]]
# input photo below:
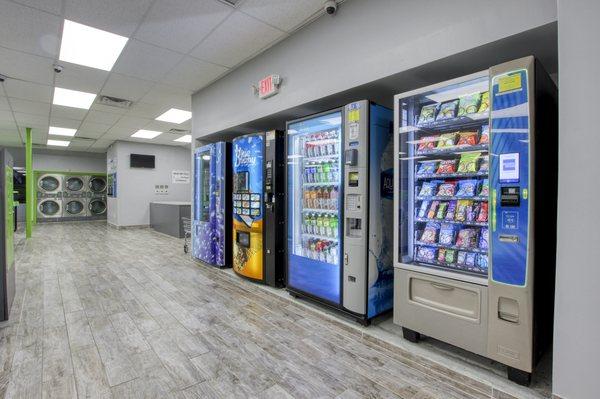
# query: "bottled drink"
[[333, 198], [327, 198], [319, 225], [313, 248], [333, 224], [326, 172], [327, 225], [306, 200], [313, 198]]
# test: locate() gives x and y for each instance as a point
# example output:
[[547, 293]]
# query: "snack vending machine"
[[211, 219], [258, 207], [7, 263], [475, 214], [340, 208]]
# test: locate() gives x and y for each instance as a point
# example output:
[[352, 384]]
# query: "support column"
[[29, 184]]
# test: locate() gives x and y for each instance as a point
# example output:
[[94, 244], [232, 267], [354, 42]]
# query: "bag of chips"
[[447, 166], [470, 260], [441, 212], [467, 238], [469, 162], [446, 189], [485, 135], [446, 140], [428, 188], [450, 256], [485, 165], [461, 210], [430, 234], [451, 210], [423, 208], [447, 234], [484, 238], [447, 110], [433, 209], [466, 139], [482, 262], [427, 143], [426, 168], [428, 113], [473, 211], [426, 254], [441, 258], [484, 191], [460, 258], [468, 104], [467, 188], [484, 105], [482, 216]]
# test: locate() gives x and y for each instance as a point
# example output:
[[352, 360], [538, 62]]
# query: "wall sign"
[[180, 177], [268, 86]]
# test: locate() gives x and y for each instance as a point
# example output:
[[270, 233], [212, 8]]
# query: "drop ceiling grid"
[[162, 64]]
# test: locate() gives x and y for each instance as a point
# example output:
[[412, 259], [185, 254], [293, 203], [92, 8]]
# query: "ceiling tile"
[[60, 112], [28, 91], [30, 107], [235, 40], [285, 15], [107, 108], [118, 133], [146, 61], [4, 104], [26, 29], [102, 143], [64, 122], [116, 16], [9, 126], [102, 117], [169, 97], [194, 74], [132, 123], [89, 134], [94, 127], [10, 138], [126, 87], [52, 6], [6, 116], [28, 120], [26, 66], [146, 110], [77, 77], [181, 24]]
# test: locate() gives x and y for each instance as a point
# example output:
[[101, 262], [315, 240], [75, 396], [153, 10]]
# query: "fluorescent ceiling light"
[[62, 131], [58, 143], [175, 115], [91, 47], [73, 98], [185, 139], [146, 134]]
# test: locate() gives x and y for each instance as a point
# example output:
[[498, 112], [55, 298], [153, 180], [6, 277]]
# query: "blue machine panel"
[[509, 177]]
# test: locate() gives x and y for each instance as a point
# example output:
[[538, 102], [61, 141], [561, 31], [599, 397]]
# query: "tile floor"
[[103, 313]]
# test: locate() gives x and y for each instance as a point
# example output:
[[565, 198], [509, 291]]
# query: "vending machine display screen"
[[509, 168], [241, 182]]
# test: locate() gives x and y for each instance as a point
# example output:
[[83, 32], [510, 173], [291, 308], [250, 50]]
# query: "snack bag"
[[468, 104], [485, 165], [470, 260], [428, 113], [468, 162], [484, 191], [467, 188], [446, 189], [423, 209], [482, 216], [461, 210], [441, 212], [473, 211], [484, 105], [451, 210], [432, 209], [482, 261], [467, 238], [427, 143], [450, 256], [447, 166], [428, 189], [447, 233], [485, 134], [466, 139], [441, 255], [430, 233], [461, 258], [426, 254], [484, 238], [426, 168], [447, 110], [446, 140]]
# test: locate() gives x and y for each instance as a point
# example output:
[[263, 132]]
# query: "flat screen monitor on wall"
[[141, 161]]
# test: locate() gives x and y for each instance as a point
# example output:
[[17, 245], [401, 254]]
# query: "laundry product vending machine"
[[211, 219], [7, 261], [340, 208], [258, 207], [475, 214]]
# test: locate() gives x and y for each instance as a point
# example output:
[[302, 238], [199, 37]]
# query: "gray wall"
[[135, 186], [64, 161], [577, 319], [365, 41]]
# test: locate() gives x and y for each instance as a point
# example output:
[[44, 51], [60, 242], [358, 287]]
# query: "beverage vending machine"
[[475, 215], [258, 207], [339, 209], [211, 219]]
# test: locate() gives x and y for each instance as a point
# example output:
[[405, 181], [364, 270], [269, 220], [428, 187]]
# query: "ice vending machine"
[[340, 209], [7, 263], [475, 214], [258, 207], [211, 219]]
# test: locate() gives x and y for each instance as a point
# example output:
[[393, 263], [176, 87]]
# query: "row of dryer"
[[64, 197]]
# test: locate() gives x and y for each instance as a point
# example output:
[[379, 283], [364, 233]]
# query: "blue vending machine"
[[340, 209], [211, 211]]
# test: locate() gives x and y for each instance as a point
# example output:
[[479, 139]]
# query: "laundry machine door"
[[97, 184], [97, 207], [50, 183], [74, 184], [50, 208], [74, 207]]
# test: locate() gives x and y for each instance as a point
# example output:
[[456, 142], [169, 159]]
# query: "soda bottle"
[[327, 198], [326, 173], [333, 224], [313, 248], [306, 198], [313, 198], [319, 226], [333, 198], [313, 223], [327, 225]]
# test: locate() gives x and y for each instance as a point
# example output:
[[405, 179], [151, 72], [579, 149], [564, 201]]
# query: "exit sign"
[[268, 86]]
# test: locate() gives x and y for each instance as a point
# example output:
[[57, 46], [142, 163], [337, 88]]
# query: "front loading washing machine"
[[74, 185], [49, 208], [49, 183], [97, 207], [75, 207], [97, 185]]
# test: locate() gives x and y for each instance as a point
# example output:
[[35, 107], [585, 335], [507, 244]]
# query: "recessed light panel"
[[73, 98], [91, 47], [58, 143], [185, 139], [146, 134], [62, 131], [175, 115]]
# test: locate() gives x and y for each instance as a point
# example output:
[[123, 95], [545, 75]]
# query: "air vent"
[[232, 3], [178, 131], [114, 102]]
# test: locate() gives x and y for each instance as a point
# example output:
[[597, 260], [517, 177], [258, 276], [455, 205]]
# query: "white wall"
[[365, 41], [70, 162], [577, 317], [135, 186]]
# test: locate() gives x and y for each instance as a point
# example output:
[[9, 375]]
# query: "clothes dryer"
[[74, 185], [49, 183], [97, 207], [75, 207], [97, 185], [49, 208]]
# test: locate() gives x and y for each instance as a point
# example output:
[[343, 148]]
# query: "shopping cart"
[[187, 233]]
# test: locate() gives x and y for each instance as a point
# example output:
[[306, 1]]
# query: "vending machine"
[[211, 218], [475, 214], [340, 208], [258, 207], [7, 262]]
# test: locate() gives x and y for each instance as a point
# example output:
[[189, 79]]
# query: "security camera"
[[2, 78], [57, 68], [330, 7]]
